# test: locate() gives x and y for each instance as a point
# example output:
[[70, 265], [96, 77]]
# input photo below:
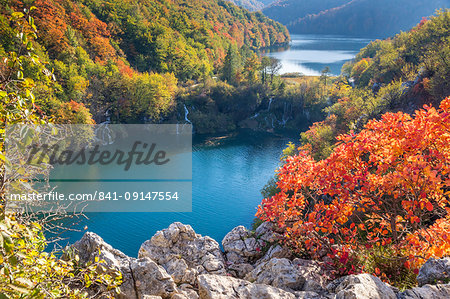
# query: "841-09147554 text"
[[97, 196]]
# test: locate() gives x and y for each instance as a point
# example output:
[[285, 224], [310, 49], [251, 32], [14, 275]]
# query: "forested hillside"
[[127, 58], [252, 5], [354, 18]]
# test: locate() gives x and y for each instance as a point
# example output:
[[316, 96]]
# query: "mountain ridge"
[[351, 17]]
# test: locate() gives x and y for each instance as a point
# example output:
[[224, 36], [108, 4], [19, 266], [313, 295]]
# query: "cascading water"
[[103, 132], [255, 116], [270, 104], [284, 119], [186, 119], [186, 112]]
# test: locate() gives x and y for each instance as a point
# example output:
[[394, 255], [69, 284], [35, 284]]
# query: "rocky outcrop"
[[362, 286], [267, 233], [151, 279], [276, 251], [177, 263], [225, 287], [92, 245], [183, 253], [241, 246], [434, 271], [427, 292], [280, 273]]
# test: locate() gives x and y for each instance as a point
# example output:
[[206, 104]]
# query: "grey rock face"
[[225, 287], [183, 253], [434, 271], [314, 273], [363, 286], [142, 278], [280, 273], [427, 292], [266, 233], [275, 251], [187, 291], [241, 247], [92, 245], [240, 270], [151, 279], [308, 295]]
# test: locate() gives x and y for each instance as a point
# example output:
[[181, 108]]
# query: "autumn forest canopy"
[[129, 56]]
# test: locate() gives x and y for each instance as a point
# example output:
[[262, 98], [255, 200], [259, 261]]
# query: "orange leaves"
[[73, 113], [383, 186]]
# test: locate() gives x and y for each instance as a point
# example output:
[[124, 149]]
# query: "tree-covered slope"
[[352, 17], [171, 35], [128, 57], [251, 5]]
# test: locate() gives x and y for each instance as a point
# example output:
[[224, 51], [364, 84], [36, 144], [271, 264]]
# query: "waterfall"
[[103, 132], [270, 104], [186, 119], [284, 118], [255, 116], [186, 112]]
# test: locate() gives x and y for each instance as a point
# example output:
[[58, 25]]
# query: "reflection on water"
[[310, 54]]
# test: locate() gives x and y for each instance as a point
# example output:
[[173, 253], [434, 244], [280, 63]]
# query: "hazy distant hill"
[[287, 11], [352, 17], [252, 5]]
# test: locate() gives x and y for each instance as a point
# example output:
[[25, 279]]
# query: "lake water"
[[310, 54], [227, 179]]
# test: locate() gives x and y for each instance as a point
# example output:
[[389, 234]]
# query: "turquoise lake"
[[310, 54], [227, 179]]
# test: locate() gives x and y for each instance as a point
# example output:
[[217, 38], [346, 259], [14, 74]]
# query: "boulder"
[[434, 271], [428, 291], [362, 286], [266, 233], [151, 279], [241, 247], [92, 245], [240, 270], [315, 274], [188, 291], [226, 287], [275, 251], [313, 286], [280, 273], [308, 295], [183, 253]]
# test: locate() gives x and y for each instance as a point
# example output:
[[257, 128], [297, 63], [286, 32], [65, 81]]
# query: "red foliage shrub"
[[385, 187]]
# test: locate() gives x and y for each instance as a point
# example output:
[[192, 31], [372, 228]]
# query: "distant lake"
[[310, 54], [227, 179]]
